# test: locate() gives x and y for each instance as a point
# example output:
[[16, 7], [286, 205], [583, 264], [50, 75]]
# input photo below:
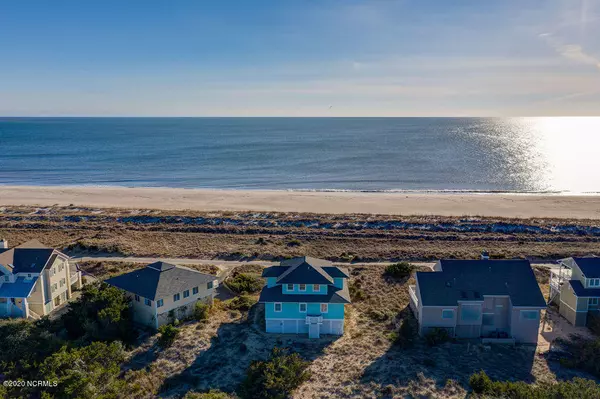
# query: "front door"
[[313, 331]]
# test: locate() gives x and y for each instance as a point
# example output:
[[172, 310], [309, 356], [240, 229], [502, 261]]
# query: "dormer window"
[[302, 287], [594, 282], [316, 287], [290, 287]]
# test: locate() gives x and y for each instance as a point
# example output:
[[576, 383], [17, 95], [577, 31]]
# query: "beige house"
[[34, 280], [162, 292], [497, 300], [575, 287]]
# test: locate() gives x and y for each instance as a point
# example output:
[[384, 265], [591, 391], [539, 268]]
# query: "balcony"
[[314, 319], [558, 276], [414, 301]]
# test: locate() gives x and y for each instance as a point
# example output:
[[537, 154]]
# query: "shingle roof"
[[305, 270], [470, 280], [581, 291], [334, 295], [160, 280], [21, 288], [590, 266], [30, 257]]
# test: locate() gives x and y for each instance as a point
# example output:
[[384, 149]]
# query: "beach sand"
[[497, 205]]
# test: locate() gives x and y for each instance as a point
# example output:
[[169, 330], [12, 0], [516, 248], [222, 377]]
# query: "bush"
[[245, 283], [437, 336], [480, 383], [275, 378], [585, 354], [212, 394], [201, 311], [400, 269], [243, 303], [407, 334], [88, 372], [294, 243], [574, 389], [593, 323], [101, 313], [357, 294], [168, 333]]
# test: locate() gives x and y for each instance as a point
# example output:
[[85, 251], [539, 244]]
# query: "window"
[[54, 287], [470, 312], [278, 306], [62, 282], [302, 308], [529, 314], [186, 293], [159, 303], [148, 302], [29, 275], [302, 287], [447, 314], [316, 287], [194, 290], [137, 297], [593, 301], [324, 308], [61, 267], [488, 319], [53, 271], [210, 285], [176, 297], [594, 282], [290, 287]]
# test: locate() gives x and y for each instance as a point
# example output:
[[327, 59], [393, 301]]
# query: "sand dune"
[[500, 205]]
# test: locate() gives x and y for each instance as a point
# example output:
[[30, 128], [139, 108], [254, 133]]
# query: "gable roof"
[[581, 291], [334, 295], [30, 257], [470, 280], [590, 266], [160, 280], [305, 270]]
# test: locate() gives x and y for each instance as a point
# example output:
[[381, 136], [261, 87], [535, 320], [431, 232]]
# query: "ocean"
[[364, 154]]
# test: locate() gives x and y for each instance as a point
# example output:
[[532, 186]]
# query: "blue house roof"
[[334, 295], [581, 291], [590, 266], [21, 288], [470, 280]]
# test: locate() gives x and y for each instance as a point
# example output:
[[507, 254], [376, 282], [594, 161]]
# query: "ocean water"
[[365, 154]]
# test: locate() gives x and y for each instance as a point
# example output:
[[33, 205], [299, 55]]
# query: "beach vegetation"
[[400, 270], [201, 311], [168, 333], [241, 303], [245, 283], [275, 378]]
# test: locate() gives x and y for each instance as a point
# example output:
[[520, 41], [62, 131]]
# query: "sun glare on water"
[[563, 153]]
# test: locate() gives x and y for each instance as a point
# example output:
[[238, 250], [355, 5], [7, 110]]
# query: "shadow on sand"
[[223, 365]]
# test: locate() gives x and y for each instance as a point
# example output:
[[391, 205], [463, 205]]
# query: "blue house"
[[305, 296]]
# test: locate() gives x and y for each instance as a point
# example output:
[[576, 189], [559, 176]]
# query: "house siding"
[[524, 330], [309, 289], [291, 310], [431, 317]]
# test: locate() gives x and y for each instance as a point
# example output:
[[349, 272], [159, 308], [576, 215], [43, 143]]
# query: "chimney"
[[485, 255], [3, 244]]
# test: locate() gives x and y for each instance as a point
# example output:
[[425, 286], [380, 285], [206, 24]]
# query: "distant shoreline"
[[507, 205]]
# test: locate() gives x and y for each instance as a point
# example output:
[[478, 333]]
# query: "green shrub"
[[407, 333], [593, 323], [168, 333], [480, 383], [275, 378], [201, 311], [101, 313], [294, 243], [380, 315], [242, 302], [245, 283], [88, 372], [357, 294], [400, 270], [212, 394], [437, 336], [577, 388]]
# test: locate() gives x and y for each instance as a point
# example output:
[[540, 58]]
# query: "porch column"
[[25, 308]]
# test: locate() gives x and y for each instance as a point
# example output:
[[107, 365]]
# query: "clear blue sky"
[[300, 58]]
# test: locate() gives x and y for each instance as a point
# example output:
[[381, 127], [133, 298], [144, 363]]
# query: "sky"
[[300, 58]]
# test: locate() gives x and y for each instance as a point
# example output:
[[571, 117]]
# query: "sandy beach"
[[496, 205]]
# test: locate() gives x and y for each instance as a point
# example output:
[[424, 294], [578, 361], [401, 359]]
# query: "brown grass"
[[106, 269]]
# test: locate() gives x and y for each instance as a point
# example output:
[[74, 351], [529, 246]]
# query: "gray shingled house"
[[161, 292], [490, 299], [575, 287]]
